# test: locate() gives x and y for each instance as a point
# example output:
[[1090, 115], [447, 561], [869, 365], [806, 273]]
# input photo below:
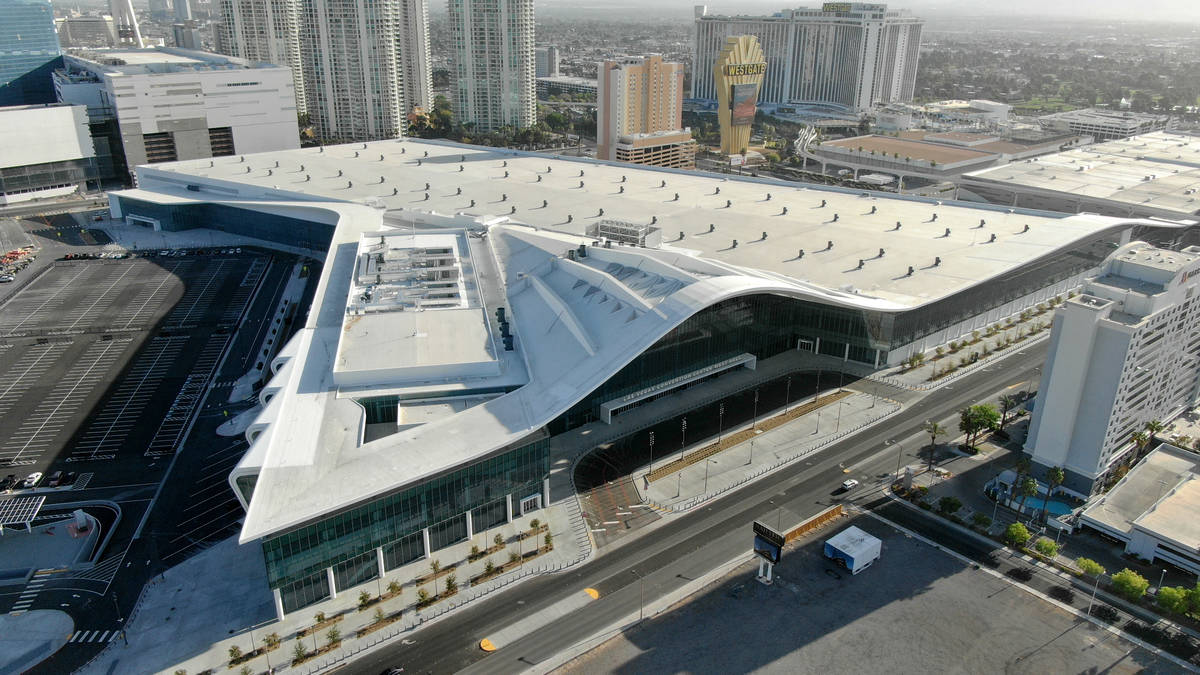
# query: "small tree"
[[1173, 599], [1129, 584], [271, 641], [498, 540], [1046, 547], [235, 653], [1089, 567], [422, 596], [1016, 535], [334, 636], [474, 551], [298, 652], [451, 584], [246, 670], [549, 541], [948, 505], [513, 557], [533, 524], [982, 520], [435, 565], [489, 568], [394, 587], [319, 617], [364, 599], [1022, 468], [379, 616]]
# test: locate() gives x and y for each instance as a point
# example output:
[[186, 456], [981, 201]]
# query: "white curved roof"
[[577, 321]]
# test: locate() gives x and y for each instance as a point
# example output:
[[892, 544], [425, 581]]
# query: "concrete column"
[[278, 603], [817, 346], [470, 524], [331, 580], [379, 560], [546, 492], [846, 354], [877, 358], [508, 505], [425, 540]]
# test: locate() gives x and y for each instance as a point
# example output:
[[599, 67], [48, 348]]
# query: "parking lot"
[[916, 609], [106, 358]]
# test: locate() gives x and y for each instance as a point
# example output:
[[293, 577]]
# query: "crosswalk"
[[31, 591], [82, 636]]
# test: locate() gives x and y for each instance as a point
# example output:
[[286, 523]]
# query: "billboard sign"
[[734, 69], [768, 544], [742, 103]]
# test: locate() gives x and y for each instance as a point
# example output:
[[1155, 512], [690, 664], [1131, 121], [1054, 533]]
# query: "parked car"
[[69, 479], [55, 479], [7, 278], [32, 479], [9, 482]]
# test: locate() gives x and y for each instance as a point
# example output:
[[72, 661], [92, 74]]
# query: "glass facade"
[[395, 522], [29, 52], [268, 226]]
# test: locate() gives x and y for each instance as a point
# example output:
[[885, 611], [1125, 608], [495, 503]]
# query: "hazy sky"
[[1174, 10]]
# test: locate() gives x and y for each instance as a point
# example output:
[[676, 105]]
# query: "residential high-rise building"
[[640, 107], [29, 52], [183, 10], [187, 35], [1122, 352], [359, 57], [494, 69], [846, 54], [263, 30], [547, 61]]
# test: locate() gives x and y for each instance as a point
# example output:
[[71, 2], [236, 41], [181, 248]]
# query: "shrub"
[[1089, 566], [334, 636], [1046, 547], [451, 583], [498, 540], [474, 551], [1129, 584], [513, 557], [299, 652], [982, 520], [925, 505], [235, 653], [394, 587], [549, 540], [948, 505], [1016, 535], [489, 568], [422, 596], [379, 615], [533, 524], [319, 617], [1173, 599], [364, 599]]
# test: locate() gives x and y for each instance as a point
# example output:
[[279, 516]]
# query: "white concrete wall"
[[42, 134]]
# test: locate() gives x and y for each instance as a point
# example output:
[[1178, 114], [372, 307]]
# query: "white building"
[[262, 30], [494, 65], [59, 163], [552, 298], [174, 104], [852, 55], [1123, 352], [1104, 125], [87, 31], [1152, 510], [547, 61], [358, 60]]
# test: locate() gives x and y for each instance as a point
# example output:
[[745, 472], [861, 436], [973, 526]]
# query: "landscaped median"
[[736, 438]]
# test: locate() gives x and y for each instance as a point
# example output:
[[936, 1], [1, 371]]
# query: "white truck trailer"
[[854, 549]]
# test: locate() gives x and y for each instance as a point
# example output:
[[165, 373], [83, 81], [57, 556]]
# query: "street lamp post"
[[1160, 581], [754, 423], [1093, 600], [787, 397], [839, 418], [899, 456], [682, 437], [120, 619], [751, 460], [706, 461], [678, 483], [817, 393], [651, 452], [720, 423], [817, 429]]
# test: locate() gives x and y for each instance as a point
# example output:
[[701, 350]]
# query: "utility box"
[[853, 549]]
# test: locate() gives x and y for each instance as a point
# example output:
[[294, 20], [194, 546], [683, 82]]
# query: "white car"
[[849, 484], [32, 479]]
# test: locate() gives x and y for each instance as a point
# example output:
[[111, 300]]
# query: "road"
[[683, 548]]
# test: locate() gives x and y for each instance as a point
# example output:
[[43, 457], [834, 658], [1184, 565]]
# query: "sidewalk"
[[772, 449], [140, 238], [190, 617], [27, 639]]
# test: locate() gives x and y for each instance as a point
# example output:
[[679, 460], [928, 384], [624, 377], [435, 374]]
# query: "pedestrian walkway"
[[27, 639], [165, 634], [764, 452], [140, 238]]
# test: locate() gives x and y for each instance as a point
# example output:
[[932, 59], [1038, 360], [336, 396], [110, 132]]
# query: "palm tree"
[[1027, 488], [1007, 403], [1055, 477], [1140, 439], [934, 430], [1022, 468], [1153, 428]]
